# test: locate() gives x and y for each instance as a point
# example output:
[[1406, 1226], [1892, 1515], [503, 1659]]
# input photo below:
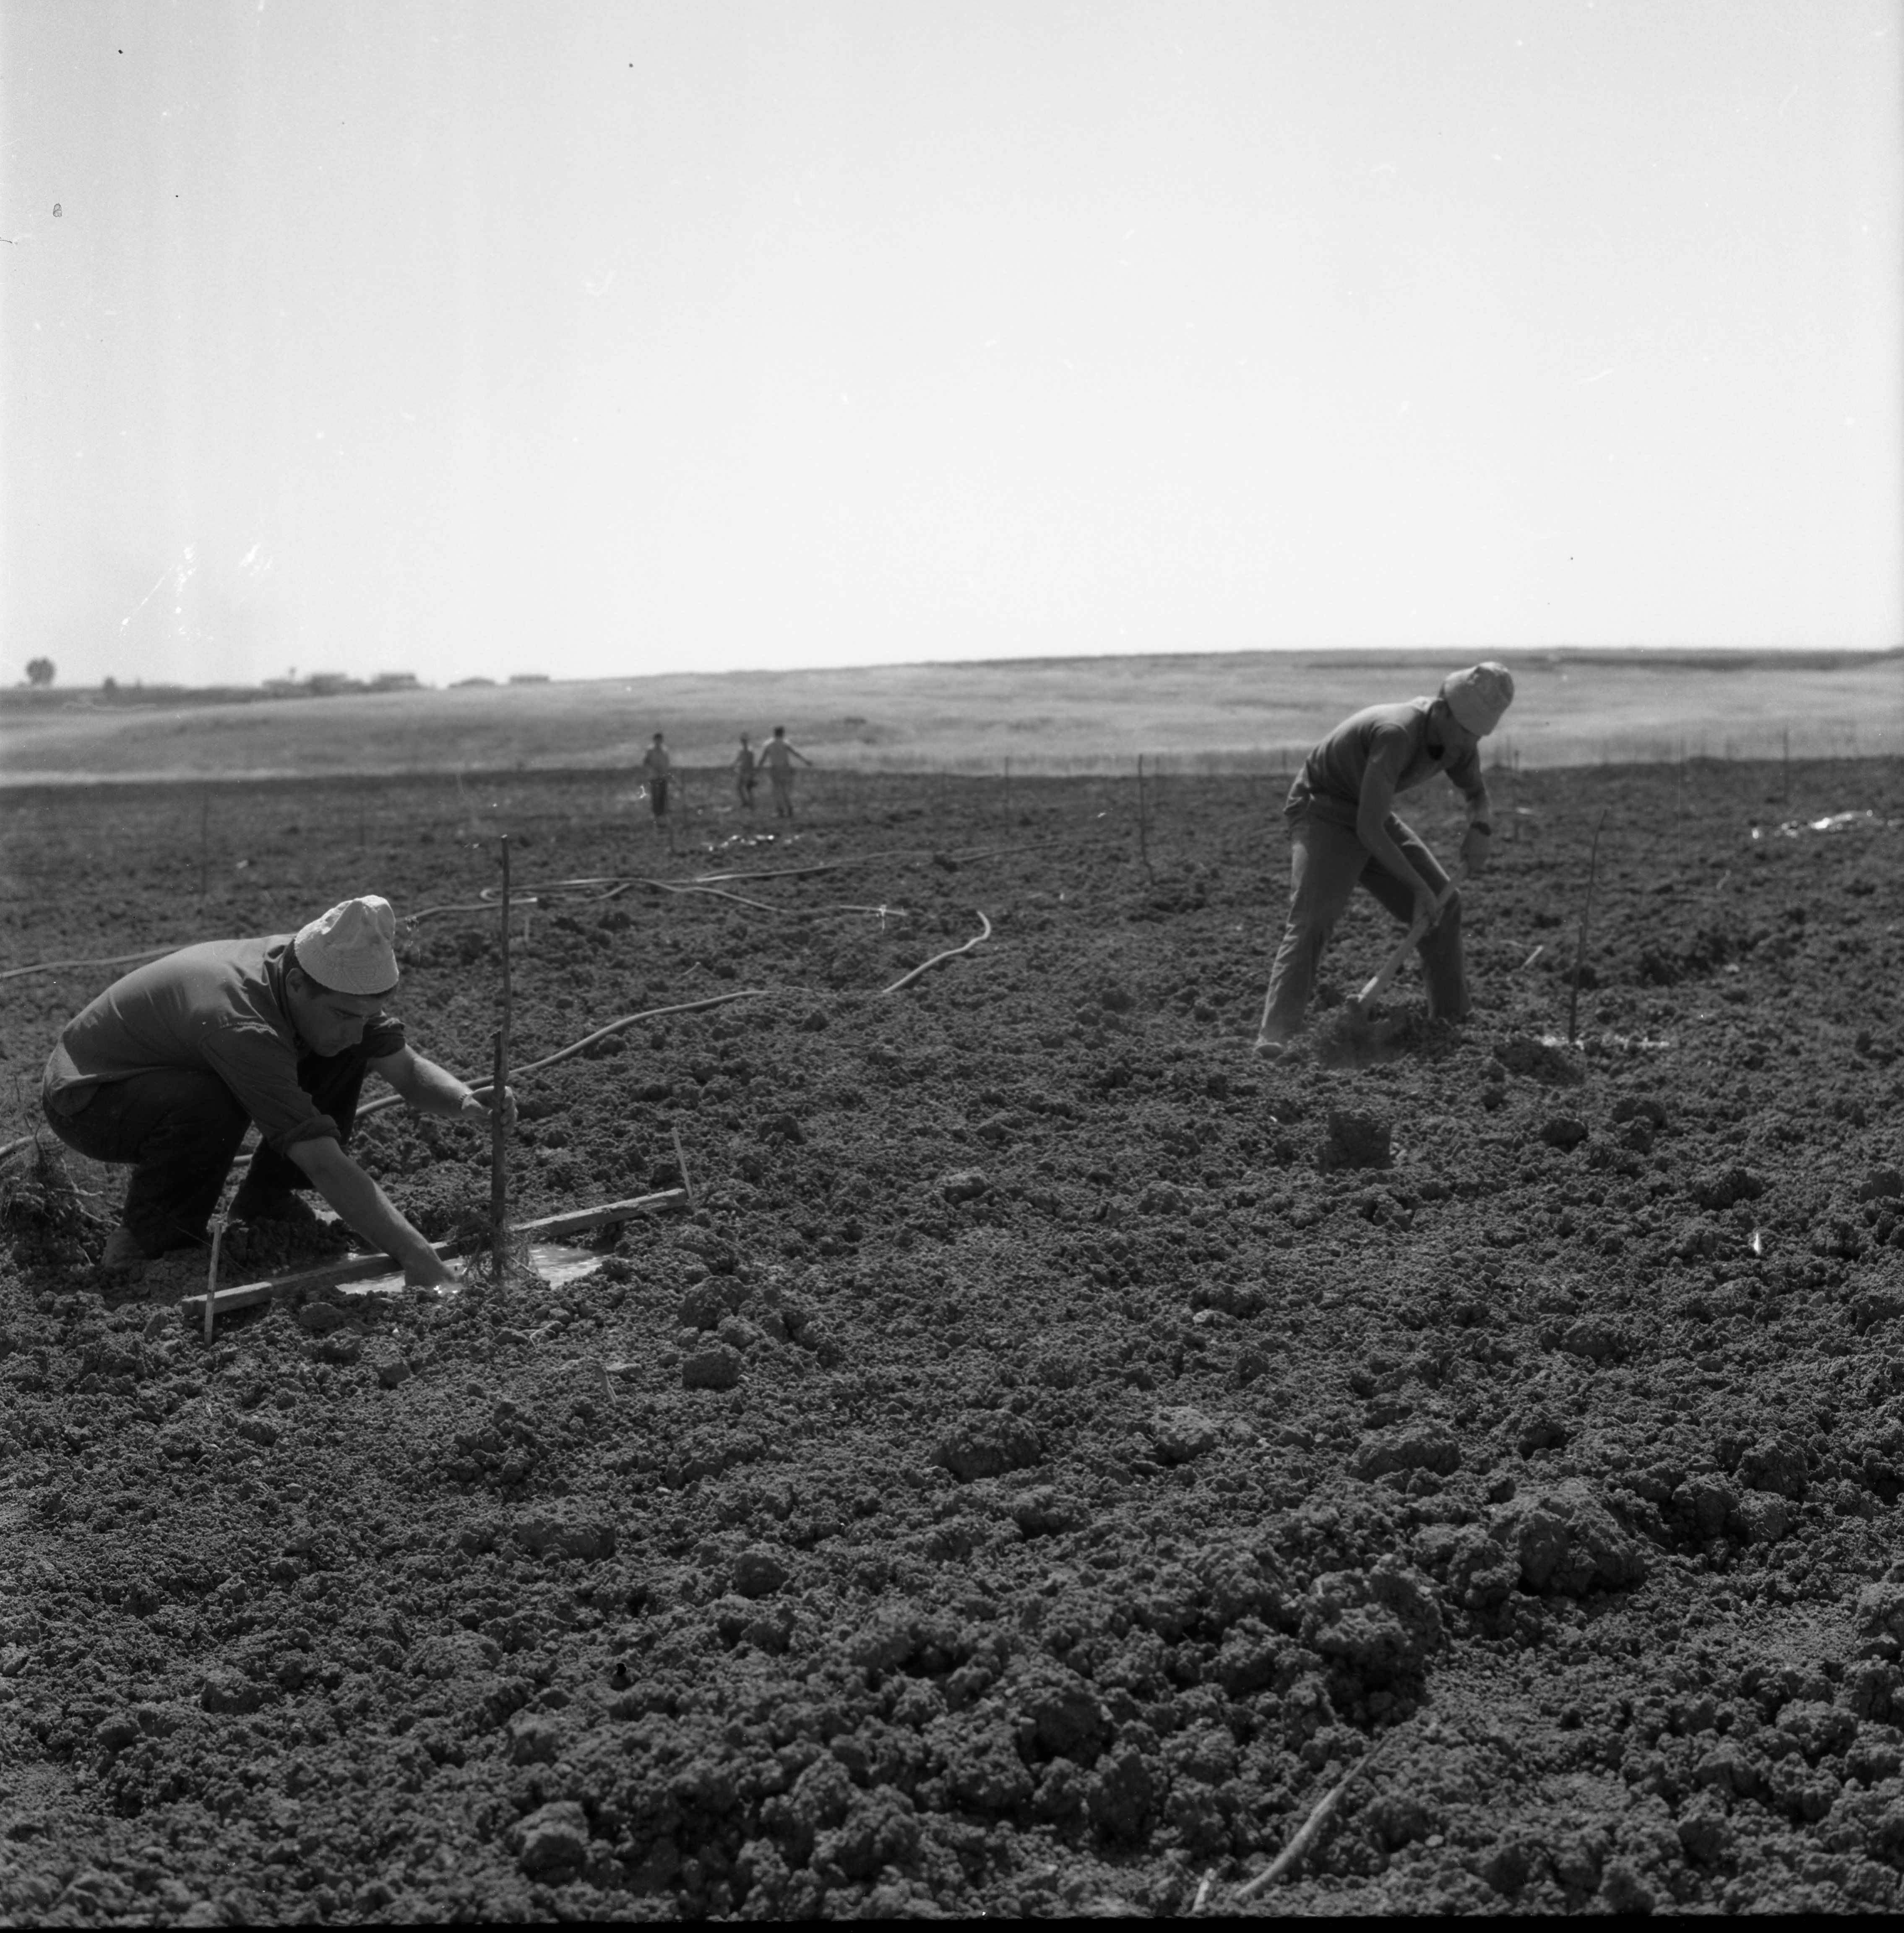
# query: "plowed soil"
[[1054, 1448]]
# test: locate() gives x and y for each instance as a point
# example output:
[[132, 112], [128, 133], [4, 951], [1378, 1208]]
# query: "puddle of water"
[[555, 1262], [1832, 822], [1611, 1043]]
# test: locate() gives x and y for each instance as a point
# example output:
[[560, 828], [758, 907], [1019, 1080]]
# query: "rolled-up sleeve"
[[261, 1072], [383, 1035], [1388, 758]]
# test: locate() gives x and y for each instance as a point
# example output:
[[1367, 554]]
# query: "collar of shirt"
[[277, 962]]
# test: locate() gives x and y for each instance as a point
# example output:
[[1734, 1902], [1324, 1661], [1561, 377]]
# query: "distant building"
[[395, 681], [326, 684], [463, 683], [529, 677]]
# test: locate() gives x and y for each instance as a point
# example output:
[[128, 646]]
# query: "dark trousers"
[[1327, 862], [180, 1129]]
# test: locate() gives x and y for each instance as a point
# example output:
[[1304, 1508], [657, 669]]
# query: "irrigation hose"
[[617, 884], [687, 1007], [117, 960], [939, 959], [627, 1020], [574, 1047]]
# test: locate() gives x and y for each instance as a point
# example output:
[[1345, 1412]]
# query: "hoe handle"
[[1386, 972]]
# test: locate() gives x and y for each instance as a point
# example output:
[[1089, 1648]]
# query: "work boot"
[[123, 1254], [1272, 1043], [252, 1203]]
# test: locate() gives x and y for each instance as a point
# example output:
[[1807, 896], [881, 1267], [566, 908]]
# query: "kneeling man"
[[1342, 832], [168, 1067]]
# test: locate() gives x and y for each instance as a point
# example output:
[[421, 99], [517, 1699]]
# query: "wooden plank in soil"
[[361, 1268]]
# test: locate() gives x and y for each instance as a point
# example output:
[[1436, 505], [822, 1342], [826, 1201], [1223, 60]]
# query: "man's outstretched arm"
[[431, 1090], [369, 1211]]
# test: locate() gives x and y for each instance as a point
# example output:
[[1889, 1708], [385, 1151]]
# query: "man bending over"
[[168, 1067], [1342, 832]]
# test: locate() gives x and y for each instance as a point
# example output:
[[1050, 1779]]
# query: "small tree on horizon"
[[40, 671]]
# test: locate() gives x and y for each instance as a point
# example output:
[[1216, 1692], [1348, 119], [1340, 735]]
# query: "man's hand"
[[476, 1108], [1427, 906], [364, 1207], [418, 1274], [1477, 847]]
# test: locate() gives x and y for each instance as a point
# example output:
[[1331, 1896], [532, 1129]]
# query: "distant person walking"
[[747, 769], [1339, 821], [778, 756], [656, 764]]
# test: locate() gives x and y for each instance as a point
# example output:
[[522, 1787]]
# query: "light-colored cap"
[[1479, 695], [352, 948]]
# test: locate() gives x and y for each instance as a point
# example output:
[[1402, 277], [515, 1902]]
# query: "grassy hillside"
[[1051, 715]]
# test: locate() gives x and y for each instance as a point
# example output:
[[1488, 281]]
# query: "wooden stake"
[[499, 1105], [212, 1275], [204, 837], [1143, 823], [681, 1164], [1580, 945], [1291, 1855]]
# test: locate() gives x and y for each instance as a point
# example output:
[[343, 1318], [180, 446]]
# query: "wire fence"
[[1539, 751]]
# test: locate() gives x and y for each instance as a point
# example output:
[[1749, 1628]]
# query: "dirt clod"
[[987, 1443], [758, 1574], [718, 1368], [1357, 1139]]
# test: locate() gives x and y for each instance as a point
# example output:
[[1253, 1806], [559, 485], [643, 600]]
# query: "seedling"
[[499, 1107], [1144, 823], [1579, 945]]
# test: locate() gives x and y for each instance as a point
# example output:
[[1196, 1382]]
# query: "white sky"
[[601, 339]]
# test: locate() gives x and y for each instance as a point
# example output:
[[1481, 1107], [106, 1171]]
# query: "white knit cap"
[[351, 949], [1479, 695]]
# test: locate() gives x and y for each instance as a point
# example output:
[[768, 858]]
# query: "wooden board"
[[365, 1268]]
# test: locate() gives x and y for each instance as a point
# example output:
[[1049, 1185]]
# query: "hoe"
[[1363, 1005]]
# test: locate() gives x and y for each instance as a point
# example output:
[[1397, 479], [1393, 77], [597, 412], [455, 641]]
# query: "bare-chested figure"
[[778, 756]]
